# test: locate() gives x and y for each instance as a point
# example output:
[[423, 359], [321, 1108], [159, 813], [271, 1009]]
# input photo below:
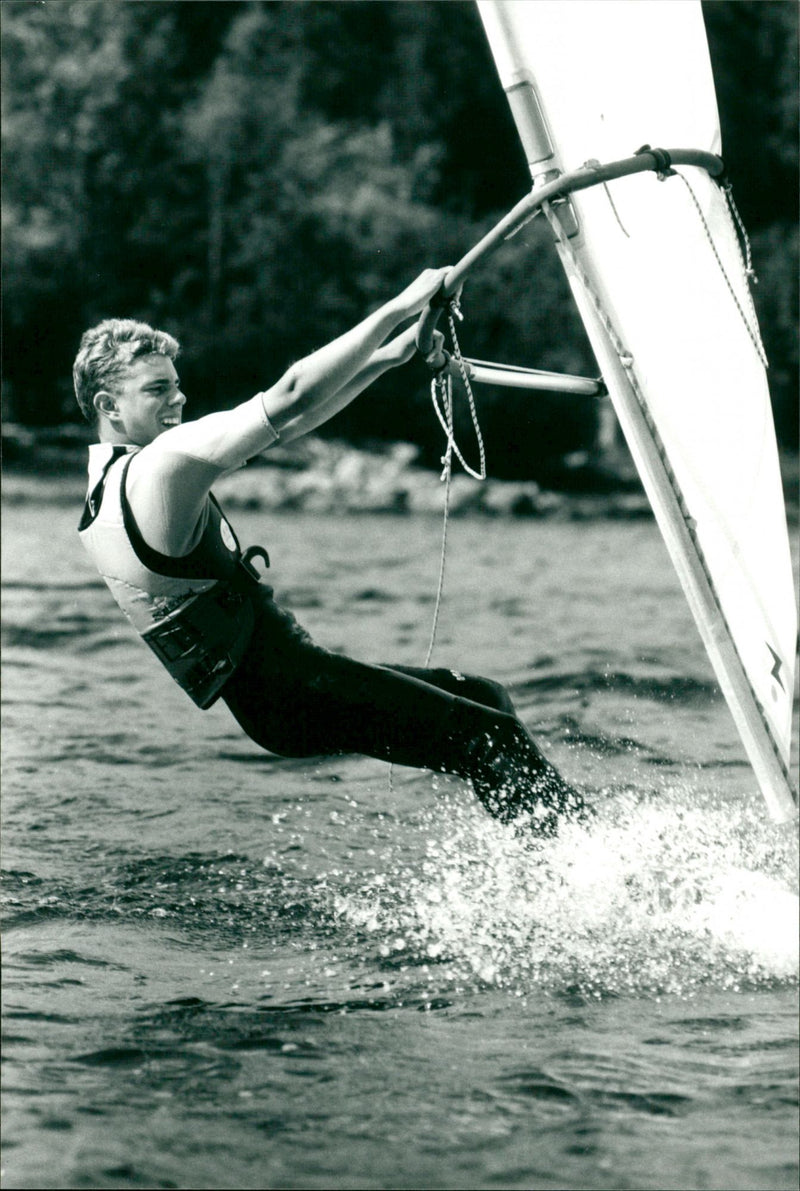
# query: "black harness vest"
[[203, 639]]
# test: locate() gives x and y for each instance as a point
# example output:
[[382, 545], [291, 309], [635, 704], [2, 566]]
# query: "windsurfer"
[[172, 562]]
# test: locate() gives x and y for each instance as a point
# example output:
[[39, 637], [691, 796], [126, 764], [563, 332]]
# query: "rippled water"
[[224, 969]]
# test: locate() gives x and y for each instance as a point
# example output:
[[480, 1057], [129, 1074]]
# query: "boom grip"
[[424, 339], [450, 289]]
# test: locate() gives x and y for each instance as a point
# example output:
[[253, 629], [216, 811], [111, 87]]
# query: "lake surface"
[[227, 970]]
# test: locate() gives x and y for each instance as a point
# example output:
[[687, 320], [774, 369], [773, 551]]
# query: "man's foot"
[[542, 797], [518, 781]]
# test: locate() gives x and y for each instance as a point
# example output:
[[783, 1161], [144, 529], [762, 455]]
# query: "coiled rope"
[[442, 388]]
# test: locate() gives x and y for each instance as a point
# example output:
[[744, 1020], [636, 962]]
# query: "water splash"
[[653, 896]]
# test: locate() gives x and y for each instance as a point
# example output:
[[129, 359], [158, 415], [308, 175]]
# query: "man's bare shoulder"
[[167, 490]]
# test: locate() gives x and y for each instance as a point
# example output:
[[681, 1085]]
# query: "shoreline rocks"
[[341, 478], [318, 475]]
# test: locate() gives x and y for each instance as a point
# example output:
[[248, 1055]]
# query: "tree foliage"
[[254, 176]]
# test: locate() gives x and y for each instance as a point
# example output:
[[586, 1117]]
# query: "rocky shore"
[[331, 477], [327, 476]]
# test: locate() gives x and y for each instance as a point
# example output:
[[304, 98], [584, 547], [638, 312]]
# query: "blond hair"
[[107, 349]]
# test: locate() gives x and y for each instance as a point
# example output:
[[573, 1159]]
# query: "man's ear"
[[105, 403]]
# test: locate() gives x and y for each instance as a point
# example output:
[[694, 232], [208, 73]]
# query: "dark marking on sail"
[[775, 671]]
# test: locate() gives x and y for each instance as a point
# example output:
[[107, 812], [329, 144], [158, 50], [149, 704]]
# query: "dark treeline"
[[255, 176]]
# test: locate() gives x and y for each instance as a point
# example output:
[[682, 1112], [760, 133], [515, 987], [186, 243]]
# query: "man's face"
[[147, 400]]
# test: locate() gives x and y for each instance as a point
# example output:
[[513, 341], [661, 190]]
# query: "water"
[[229, 970]]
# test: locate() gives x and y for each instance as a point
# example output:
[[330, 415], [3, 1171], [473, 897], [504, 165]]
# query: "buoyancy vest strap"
[[194, 565], [200, 636], [95, 497], [247, 560]]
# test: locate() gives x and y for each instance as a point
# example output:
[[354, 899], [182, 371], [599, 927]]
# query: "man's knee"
[[485, 691], [465, 686]]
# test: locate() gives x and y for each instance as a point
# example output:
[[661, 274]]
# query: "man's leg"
[[296, 699], [506, 761], [465, 686]]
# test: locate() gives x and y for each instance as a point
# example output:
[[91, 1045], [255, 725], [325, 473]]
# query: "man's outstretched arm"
[[169, 480], [317, 387]]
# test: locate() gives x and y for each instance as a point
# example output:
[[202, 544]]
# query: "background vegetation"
[[255, 176]]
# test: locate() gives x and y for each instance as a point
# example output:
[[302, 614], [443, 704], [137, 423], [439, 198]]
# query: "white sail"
[[658, 275]]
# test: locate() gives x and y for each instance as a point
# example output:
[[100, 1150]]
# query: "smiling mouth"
[[173, 421]]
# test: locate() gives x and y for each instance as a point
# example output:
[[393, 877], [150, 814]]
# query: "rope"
[[442, 396], [442, 390], [446, 477], [751, 324], [442, 399], [744, 239]]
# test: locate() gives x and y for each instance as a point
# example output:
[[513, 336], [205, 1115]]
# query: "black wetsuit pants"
[[296, 699]]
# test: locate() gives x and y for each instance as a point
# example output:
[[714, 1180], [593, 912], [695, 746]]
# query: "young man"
[[172, 562]]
